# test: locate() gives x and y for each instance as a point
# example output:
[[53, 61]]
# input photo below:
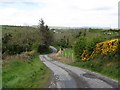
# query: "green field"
[[23, 36], [25, 74], [73, 34]]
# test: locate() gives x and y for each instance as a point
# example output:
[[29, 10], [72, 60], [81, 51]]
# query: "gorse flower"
[[84, 56], [103, 48]]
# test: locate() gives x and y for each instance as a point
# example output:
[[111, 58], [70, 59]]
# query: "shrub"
[[92, 44], [79, 46], [43, 49], [63, 43], [107, 48]]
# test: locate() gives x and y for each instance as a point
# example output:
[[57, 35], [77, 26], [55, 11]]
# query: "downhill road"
[[66, 76]]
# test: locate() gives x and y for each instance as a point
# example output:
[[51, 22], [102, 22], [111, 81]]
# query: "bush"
[[79, 46], [63, 43], [92, 44], [42, 49], [16, 40], [11, 45]]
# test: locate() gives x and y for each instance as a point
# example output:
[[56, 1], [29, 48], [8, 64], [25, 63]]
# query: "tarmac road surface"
[[66, 76]]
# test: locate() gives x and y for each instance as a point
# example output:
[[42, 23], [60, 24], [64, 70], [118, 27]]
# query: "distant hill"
[[63, 27]]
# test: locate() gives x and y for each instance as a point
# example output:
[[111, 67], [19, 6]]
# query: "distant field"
[[22, 38], [72, 34], [20, 33]]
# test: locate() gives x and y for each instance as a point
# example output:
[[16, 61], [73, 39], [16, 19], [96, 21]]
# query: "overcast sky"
[[71, 13]]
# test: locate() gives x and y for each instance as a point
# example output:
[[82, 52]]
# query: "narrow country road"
[[66, 76]]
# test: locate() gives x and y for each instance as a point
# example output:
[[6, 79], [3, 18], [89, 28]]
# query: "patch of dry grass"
[[60, 59]]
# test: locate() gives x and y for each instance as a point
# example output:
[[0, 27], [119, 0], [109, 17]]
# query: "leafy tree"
[[45, 32], [46, 37]]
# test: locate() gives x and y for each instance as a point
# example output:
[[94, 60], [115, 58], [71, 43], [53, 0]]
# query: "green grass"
[[110, 72], [68, 53], [0, 79], [29, 74]]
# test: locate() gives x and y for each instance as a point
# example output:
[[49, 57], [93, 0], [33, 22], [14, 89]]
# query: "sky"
[[68, 13]]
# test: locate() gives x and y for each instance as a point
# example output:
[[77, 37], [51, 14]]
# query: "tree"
[[46, 34]]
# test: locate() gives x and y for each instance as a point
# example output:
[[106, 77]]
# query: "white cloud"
[[61, 12]]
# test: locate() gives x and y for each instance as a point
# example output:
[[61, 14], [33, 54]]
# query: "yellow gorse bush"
[[103, 48], [106, 47], [84, 56]]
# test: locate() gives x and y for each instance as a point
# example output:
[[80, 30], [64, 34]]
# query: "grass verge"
[[25, 74], [68, 53], [110, 72]]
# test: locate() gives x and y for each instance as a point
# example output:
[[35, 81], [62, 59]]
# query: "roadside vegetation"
[[21, 46]]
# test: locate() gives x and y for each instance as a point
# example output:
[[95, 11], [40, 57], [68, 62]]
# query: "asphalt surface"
[[66, 76]]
